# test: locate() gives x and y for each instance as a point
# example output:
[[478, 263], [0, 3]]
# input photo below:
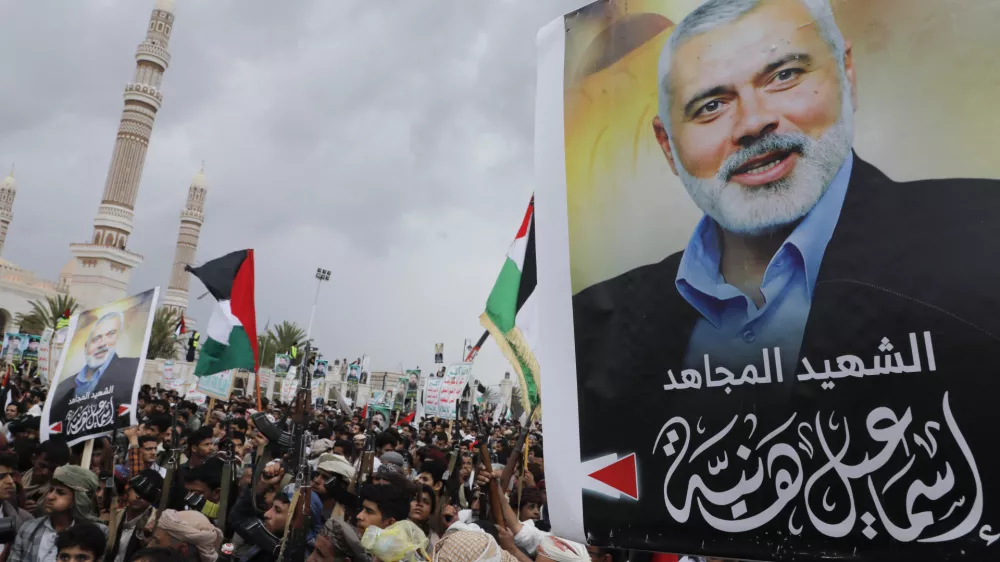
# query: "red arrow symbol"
[[620, 475], [56, 427], [123, 409]]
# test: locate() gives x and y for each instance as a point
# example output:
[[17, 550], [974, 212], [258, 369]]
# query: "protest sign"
[[170, 379], [321, 369], [100, 372], [282, 362], [738, 238], [289, 385], [265, 379], [441, 394], [196, 397], [44, 355], [14, 346], [218, 386], [412, 384], [353, 376]]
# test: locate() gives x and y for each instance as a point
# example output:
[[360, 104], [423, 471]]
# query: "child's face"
[[75, 554]]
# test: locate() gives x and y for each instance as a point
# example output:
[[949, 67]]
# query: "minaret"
[[7, 193], [104, 265], [192, 217]]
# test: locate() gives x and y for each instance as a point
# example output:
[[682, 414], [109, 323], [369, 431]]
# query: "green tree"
[[267, 350], [284, 336], [45, 314], [163, 343]]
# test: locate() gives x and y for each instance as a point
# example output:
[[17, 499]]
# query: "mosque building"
[[100, 268]]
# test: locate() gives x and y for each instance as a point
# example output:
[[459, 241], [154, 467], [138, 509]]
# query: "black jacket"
[[904, 258], [121, 373]]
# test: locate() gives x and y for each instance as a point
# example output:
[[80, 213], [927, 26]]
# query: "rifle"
[[228, 461], [515, 455], [451, 475], [494, 489], [173, 462], [293, 543]]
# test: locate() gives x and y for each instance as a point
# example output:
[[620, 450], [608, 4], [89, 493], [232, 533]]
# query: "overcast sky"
[[390, 142]]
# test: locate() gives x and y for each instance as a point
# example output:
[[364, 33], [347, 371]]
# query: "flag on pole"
[[511, 310], [181, 327], [231, 336]]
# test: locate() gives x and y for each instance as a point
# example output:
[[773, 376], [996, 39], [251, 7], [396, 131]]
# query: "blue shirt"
[[83, 386], [732, 330]]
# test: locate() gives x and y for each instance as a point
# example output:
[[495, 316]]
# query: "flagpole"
[[256, 375]]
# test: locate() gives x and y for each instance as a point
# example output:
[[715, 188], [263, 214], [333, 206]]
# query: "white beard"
[[94, 363], [759, 210]]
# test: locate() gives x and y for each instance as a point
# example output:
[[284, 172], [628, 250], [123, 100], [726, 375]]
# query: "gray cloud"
[[389, 142]]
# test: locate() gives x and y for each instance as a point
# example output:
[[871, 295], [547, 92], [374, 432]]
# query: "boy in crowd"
[[80, 543], [70, 500]]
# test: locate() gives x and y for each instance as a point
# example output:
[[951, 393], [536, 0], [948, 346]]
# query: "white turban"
[[193, 528], [561, 550]]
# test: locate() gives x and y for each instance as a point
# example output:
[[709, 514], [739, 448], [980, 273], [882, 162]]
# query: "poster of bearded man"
[[100, 371], [770, 228]]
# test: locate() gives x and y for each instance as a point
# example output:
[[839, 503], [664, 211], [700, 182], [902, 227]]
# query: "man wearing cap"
[[334, 474]]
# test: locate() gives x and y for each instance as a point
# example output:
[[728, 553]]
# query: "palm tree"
[[267, 349], [45, 314], [516, 408], [284, 336], [492, 395], [163, 343]]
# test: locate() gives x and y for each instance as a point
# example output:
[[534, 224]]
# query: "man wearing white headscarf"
[[186, 532]]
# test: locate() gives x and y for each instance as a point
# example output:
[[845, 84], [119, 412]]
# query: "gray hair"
[[714, 13], [120, 316]]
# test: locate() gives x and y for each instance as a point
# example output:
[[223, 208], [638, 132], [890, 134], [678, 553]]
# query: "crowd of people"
[[231, 480]]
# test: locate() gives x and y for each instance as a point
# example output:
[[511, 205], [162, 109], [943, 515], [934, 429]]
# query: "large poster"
[[750, 232], [14, 346], [412, 384], [100, 372], [442, 394], [353, 376]]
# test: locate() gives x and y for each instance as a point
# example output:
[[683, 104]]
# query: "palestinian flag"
[[181, 328], [511, 310], [231, 336]]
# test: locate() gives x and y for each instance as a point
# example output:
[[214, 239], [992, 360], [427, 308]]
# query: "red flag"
[[405, 420], [364, 413]]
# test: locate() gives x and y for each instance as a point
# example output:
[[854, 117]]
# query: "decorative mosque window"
[[159, 26]]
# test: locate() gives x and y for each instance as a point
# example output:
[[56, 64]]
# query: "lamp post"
[[321, 275]]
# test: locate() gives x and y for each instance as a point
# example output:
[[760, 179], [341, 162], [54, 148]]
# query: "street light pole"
[[321, 275]]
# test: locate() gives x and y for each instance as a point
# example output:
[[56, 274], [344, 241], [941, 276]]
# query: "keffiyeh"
[[193, 528]]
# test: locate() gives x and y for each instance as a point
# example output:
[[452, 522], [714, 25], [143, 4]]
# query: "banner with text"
[[100, 372], [218, 386], [752, 231], [289, 386], [442, 394]]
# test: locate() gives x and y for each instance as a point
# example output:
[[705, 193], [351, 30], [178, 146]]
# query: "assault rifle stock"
[[294, 541]]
